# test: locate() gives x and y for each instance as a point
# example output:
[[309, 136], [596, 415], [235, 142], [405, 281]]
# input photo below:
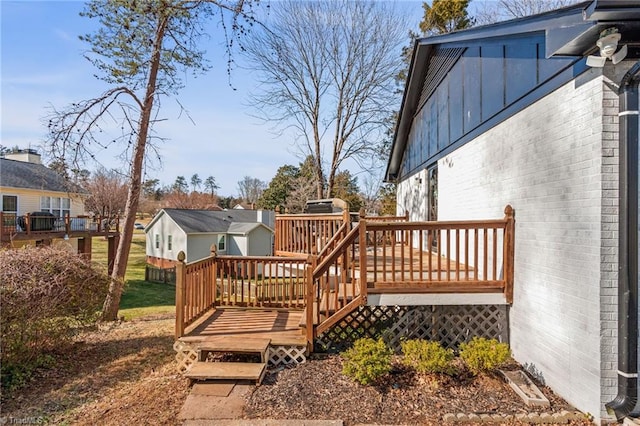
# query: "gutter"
[[626, 402]]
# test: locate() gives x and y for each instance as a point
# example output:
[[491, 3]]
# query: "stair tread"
[[227, 371], [244, 345]]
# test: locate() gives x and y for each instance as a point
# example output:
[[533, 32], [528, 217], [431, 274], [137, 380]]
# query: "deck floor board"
[[277, 325]]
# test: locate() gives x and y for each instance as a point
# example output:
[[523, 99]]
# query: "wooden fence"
[[160, 275]]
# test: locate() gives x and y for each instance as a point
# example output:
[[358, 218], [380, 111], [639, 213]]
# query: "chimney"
[[24, 155]]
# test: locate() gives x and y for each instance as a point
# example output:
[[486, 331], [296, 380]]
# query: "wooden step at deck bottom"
[[234, 345], [227, 371]]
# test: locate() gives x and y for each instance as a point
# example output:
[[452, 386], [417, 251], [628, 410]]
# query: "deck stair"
[[327, 305], [223, 370]]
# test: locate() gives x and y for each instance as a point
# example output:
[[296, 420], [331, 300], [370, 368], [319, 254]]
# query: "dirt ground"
[[124, 374], [119, 374]]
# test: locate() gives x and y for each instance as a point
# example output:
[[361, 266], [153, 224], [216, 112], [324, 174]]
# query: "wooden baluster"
[[363, 258], [466, 254], [495, 254], [457, 236], [485, 251]]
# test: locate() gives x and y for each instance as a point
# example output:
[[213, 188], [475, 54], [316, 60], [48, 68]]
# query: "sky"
[[42, 66]]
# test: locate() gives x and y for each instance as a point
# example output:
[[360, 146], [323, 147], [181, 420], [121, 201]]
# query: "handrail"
[[332, 242], [323, 266], [404, 218]]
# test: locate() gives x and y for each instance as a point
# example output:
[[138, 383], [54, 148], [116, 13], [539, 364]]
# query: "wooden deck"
[[371, 263], [281, 326]]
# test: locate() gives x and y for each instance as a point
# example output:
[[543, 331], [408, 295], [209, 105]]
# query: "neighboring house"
[[511, 113], [232, 232], [38, 207]]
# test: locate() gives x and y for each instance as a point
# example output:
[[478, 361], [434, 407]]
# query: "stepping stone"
[[525, 388]]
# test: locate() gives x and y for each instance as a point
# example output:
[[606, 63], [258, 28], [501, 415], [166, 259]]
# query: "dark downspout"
[[626, 402]]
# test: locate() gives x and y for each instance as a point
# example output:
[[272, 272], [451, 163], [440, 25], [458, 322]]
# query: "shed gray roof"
[[195, 221], [20, 174], [243, 228]]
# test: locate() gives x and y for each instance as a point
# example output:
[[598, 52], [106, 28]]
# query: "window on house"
[[59, 206], [157, 241], [169, 243], [10, 204], [221, 243], [9, 209]]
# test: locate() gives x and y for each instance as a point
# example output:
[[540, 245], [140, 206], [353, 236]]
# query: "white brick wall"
[[556, 164]]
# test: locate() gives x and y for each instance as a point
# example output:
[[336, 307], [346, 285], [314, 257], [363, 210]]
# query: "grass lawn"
[[140, 297]]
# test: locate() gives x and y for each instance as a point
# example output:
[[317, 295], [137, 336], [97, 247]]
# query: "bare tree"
[[141, 49], [251, 189], [108, 192], [302, 190], [490, 12], [327, 70]]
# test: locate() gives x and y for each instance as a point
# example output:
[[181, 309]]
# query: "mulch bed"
[[319, 390]]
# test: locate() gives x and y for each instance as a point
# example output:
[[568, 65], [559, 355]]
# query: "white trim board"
[[420, 299]]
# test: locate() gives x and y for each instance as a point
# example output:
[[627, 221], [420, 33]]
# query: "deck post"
[[180, 284], [310, 331], [67, 223], [362, 248], [27, 222], [509, 252]]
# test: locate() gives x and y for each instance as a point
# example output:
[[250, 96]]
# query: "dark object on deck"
[[327, 205], [42, 221]]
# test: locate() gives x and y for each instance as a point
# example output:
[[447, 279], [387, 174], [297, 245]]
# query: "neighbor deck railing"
[[373, 256], [13, 226]]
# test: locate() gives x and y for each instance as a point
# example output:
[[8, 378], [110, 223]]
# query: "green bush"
[[484, 355], [46, 293], [427, 357], [367, 360]]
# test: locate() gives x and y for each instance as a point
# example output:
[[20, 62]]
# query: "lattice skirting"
[[450, 325], [285, 355], [187, 354]]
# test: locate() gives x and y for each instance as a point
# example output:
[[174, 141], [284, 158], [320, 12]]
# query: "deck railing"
[[297, 234], [411, 257], [237, 281], [265, 282], [30, 225]]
